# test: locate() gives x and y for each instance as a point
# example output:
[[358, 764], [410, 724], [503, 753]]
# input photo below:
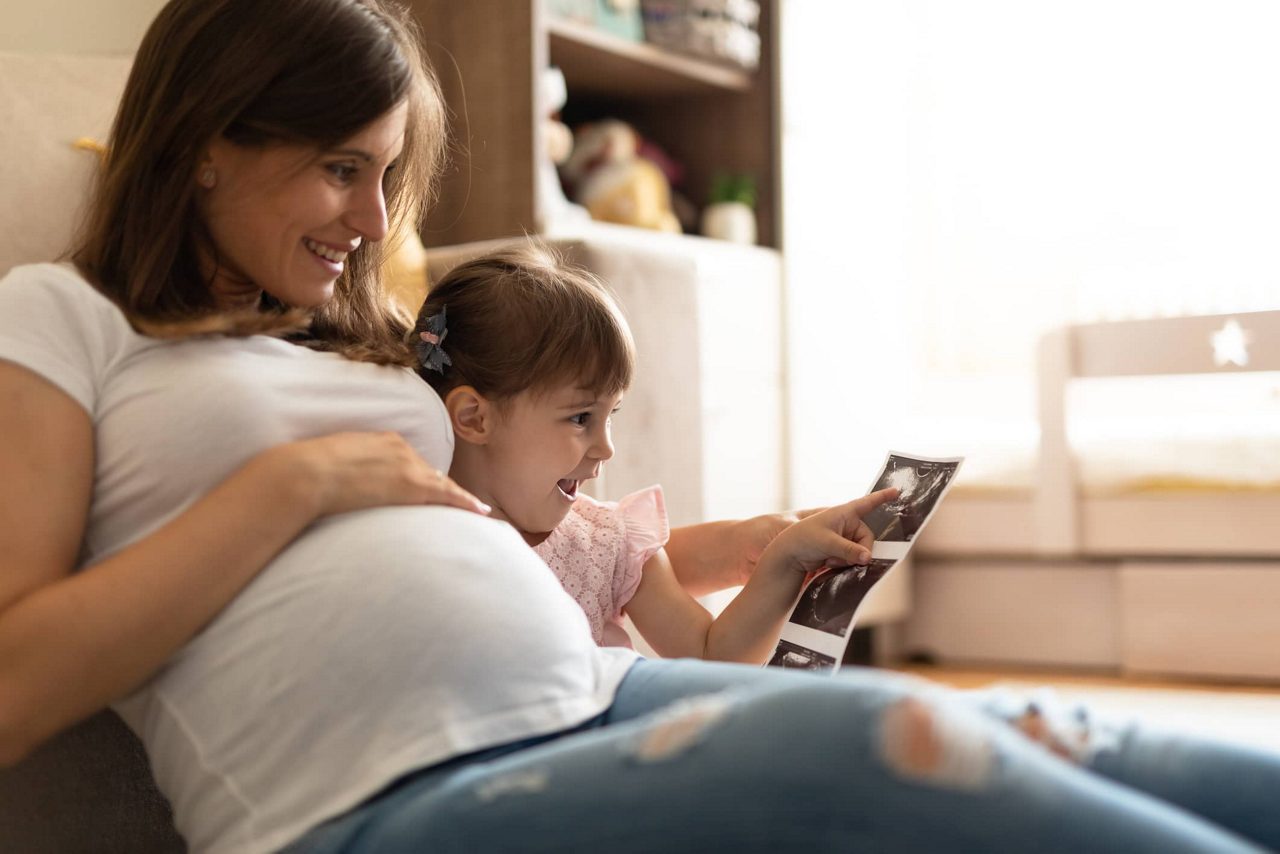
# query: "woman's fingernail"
[[484, 508]]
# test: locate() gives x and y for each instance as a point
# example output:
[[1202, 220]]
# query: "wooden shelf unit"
[[489, 53], [603, 63]]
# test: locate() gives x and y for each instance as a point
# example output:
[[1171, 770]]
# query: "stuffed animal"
[[607, 174], [553, 208]]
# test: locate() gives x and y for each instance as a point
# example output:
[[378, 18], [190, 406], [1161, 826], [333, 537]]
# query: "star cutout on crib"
[[1231, 345]]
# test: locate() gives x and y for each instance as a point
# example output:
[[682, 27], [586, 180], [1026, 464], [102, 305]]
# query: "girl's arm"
[[748, 629], [668, 618], [70, 644]]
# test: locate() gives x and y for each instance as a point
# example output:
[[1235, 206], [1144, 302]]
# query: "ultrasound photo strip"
[[824, 616], [816, 636], [798, 658], [921, 482]]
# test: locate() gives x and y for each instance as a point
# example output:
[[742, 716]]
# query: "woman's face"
[[284, 217]]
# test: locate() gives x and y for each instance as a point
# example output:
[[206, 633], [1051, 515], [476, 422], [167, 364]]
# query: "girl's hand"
[[836, 536], [356, 471]]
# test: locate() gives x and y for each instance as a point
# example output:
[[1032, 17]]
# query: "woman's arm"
[[716, 555], [70, 644]]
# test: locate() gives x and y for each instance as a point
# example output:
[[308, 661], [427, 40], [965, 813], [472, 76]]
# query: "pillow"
[[49, 102]]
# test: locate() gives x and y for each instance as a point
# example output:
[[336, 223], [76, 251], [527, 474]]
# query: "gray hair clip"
[[430, 343]]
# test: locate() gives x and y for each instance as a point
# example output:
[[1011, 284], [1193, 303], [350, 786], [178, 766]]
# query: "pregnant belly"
[[378, 642], [372, 616]]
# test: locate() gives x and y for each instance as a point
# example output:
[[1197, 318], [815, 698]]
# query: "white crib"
[[1152, 553]]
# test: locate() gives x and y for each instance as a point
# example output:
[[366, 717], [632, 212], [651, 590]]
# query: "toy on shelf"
[[610, 175], [553, 207]]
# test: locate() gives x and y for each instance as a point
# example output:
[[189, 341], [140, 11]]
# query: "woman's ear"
[[208, 167], [471, 415]]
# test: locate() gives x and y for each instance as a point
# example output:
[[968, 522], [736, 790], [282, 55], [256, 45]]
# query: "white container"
[[732, 221]]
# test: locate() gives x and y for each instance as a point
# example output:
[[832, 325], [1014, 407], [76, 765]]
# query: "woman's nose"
[[367, 214]]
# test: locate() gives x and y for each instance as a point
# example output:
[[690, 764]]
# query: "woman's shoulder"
[[54, 272], [55, 323], [59, 284]]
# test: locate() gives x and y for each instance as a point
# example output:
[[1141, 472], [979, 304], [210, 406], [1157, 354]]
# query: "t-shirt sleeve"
[[54, 323], [645, 530]]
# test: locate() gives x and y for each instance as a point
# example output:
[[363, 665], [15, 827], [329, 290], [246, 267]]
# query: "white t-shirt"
[[378, 642]]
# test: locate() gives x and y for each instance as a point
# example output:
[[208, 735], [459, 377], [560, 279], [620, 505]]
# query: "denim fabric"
[[697, 757]]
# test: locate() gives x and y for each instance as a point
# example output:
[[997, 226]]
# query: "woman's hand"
[[714, 556], [836, 536], [356, 471], [754, 535]]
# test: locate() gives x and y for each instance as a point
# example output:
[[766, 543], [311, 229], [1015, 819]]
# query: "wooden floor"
[[971, 677], [1248, 713]]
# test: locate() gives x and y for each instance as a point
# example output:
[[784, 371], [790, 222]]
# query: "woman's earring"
[[208, 178]]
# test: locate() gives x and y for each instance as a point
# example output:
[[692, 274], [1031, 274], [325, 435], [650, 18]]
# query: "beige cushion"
[[49, 102], [89, 789]]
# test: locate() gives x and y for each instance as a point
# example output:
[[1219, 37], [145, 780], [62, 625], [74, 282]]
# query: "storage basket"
[[720, 30]]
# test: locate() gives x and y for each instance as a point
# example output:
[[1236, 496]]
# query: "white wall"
[[75, 26]]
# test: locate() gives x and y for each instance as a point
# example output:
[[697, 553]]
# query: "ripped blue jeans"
[[698, 757]]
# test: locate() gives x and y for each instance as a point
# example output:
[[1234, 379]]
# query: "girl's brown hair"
[[526, 320], [310, 72]]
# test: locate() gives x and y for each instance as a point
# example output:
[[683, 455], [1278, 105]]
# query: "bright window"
[[960, 176]]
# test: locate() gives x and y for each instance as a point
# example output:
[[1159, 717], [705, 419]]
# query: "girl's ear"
[[470, 413]]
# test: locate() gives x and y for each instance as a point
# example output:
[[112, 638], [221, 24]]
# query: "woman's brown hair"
[[309, 72], [525, 320]]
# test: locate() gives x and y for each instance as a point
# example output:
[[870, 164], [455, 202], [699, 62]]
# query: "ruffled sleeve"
[[645, 530]]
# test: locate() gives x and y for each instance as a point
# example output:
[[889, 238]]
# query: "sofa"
[[90, 789]]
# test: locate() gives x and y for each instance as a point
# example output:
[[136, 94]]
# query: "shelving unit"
[[489, 54], [601, 63]]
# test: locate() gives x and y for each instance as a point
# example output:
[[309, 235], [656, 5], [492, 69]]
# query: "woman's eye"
[[344, 172]]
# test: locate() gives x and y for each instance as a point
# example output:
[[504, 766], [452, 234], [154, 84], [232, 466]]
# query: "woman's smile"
[[330, 257]]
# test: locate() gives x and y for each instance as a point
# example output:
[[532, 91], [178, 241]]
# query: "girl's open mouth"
[[568, 487]]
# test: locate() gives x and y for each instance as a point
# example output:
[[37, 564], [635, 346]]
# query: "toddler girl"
[[532, 357]]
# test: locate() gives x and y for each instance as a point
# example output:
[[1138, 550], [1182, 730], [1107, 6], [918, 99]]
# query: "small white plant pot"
[[732, 221]]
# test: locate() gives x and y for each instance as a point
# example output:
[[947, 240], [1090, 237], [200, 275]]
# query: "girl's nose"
[[602, 448]]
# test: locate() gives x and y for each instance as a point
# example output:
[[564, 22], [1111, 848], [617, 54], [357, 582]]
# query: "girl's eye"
[[581, 418], [344, 172]]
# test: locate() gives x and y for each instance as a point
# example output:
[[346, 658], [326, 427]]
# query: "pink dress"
[[598, 552]]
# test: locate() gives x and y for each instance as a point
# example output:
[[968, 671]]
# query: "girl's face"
[[541, 450], [284, 217]]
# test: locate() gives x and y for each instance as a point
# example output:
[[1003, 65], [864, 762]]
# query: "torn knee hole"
[[921, 742], [517, 782], [1069, 736], [679, 728]]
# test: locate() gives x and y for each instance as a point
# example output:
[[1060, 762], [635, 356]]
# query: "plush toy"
[[553, 208], [607, 174]]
